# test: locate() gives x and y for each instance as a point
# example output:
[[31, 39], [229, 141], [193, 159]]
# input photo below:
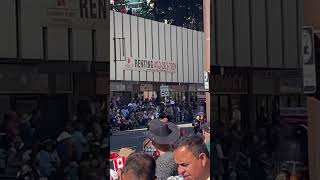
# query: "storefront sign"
[[291, 85], [76, 13], [230, 82], [129, 87], [200, 87], [192, 87], [138, 64], [277, 81], [146, 87], [136, 87], [117, 87], [19, 79], [180, 88]]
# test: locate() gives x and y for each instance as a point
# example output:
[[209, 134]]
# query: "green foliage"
[[184, 13], [146, 10], [119, 5]]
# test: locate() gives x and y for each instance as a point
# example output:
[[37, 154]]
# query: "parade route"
[[134, 138]]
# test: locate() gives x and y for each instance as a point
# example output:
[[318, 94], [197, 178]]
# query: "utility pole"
[[206, 23], [313, 134]]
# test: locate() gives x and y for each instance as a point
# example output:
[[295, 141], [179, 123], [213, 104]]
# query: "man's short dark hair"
[[193, 143], [141, 165]]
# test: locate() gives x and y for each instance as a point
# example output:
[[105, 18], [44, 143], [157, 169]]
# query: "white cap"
[[64, 135]]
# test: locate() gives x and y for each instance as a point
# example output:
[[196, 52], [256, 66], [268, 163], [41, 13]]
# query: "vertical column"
[[206, 22], [251, 110], [313, 134]]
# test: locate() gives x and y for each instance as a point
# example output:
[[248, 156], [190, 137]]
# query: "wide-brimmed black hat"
[[206, 127], [162, 133]]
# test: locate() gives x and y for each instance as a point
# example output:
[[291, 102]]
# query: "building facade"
[[146, 54], [256, 72], [255, 59], [53, 55]]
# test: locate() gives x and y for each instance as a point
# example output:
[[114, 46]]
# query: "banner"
[[138, 64]]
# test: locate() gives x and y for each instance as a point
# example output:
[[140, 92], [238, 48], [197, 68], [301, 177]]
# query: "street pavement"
[[134, 138]]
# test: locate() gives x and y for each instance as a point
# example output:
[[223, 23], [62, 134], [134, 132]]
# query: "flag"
[[118, 163]]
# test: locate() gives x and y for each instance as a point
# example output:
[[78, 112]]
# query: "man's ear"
[[203, 159]]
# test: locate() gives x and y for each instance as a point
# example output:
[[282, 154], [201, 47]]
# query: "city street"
[[134, 138]]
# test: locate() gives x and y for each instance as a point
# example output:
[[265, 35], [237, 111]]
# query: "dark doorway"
[[54, 111]]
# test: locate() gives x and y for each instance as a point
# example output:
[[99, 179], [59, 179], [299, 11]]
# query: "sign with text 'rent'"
[[76, 13], [164, 91], [309, 65], [138, 64]]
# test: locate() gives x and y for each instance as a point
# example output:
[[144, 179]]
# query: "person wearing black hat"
[[163, 136], [206, 134], [198, 122]]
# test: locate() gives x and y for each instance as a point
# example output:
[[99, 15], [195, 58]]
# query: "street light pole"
[[313, 134], [206, 23]]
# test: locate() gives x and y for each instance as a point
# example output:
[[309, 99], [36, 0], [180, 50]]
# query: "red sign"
[[137, 64]]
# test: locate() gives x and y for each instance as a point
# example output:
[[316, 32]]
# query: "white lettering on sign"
[[146, 87], [137, 64], [93, 9], [164, 91]]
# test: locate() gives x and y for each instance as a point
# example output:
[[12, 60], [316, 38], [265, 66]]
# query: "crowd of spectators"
[[138, 112], [78, 152]]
